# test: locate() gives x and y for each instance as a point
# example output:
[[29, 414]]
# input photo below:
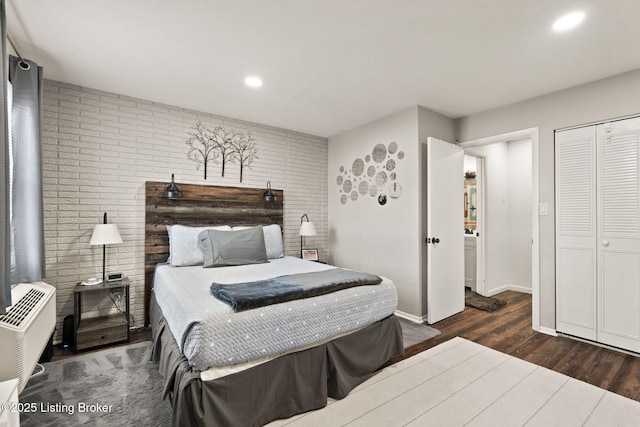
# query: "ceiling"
[[327, 65]]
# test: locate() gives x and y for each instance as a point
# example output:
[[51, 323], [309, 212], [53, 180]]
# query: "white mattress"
[[210, 334]]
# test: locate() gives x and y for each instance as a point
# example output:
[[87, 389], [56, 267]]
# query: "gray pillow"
[[272, 239], [240, 247], [184, 247]]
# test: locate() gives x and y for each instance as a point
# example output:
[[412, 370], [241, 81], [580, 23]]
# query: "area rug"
[[475, 300], [461, 383], [119, 387], [415, 333], [114, 387]]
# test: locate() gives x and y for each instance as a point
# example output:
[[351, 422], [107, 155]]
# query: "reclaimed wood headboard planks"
[[199, 205]]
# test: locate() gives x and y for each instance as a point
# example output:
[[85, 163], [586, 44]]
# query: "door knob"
[[605, 243], [435, 240]]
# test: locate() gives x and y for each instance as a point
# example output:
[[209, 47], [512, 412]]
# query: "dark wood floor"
[[509, 330]]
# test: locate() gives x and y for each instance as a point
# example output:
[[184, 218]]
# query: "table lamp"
[[105, 234], [306, 229]]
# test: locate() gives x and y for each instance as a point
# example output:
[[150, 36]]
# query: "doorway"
[[473, 234], [508, 215]]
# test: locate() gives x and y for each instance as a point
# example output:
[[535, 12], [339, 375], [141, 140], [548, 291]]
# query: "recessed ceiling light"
[[568, 21], [253, 81]]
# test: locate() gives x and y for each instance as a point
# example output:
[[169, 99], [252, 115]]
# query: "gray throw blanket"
[[250, 295]]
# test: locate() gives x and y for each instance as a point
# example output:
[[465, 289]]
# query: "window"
[[10, 143]]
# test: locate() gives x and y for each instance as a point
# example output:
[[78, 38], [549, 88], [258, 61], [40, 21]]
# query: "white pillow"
[[184, 247], [272, 240]]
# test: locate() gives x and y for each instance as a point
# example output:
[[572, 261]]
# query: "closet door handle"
[[605, 243]]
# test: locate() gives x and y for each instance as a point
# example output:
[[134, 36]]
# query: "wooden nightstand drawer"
[[96, 331], [101, 330]]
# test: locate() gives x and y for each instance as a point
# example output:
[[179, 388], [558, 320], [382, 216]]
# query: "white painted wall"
[[613, 97], [496, 211], [519, 171], [365, 236], [386, 240], [507, 215]]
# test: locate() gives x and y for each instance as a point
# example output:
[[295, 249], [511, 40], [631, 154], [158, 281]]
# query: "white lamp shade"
[[307, 229], [105, 234]]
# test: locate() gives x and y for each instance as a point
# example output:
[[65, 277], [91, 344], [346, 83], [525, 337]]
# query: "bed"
[[222, 367]]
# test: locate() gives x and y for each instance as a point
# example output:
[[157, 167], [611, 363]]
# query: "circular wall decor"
[[379, 153], [374, 174], [395, 191], [358, 167], [393, 147], [363, 188]]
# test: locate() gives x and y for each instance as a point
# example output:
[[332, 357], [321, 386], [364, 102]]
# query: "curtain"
[[5, 243], [27, 219]]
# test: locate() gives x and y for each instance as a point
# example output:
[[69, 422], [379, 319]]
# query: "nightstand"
[[95, 331]]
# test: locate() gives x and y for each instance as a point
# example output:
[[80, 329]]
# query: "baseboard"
[[504, 288], [521, 289], [411, 317], [548, 331]]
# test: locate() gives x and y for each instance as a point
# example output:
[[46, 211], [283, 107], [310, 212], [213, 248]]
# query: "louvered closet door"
[[618, 240], [575, 152]]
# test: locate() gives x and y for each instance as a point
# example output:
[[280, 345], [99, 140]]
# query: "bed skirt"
[[283, 387]]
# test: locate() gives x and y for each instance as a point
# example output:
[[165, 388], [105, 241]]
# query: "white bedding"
[[210, 334]]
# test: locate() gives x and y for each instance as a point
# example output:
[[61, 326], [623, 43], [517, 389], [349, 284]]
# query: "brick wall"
[[98, 150]]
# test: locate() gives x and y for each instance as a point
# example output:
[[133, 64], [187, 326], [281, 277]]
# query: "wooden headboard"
[[200, 205]]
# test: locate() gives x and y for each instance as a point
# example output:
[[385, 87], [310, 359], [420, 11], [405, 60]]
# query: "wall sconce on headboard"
[[172, 191], [268, 195]]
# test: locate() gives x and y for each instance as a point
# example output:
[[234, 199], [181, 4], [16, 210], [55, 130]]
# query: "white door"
[[598, 233], [618, 242], [445, 231], [576, 232]]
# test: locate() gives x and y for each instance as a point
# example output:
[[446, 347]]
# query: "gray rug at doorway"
[[475, 300], [415, 333]]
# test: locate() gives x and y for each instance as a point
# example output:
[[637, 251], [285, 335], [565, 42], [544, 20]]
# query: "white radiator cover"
[[26, 329]]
